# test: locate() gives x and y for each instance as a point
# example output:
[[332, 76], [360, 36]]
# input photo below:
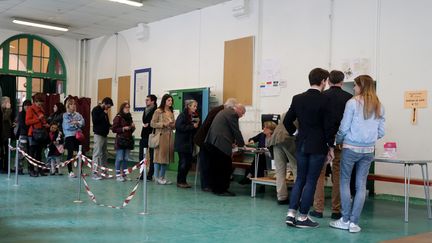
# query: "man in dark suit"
[[313, 143], [199, 139], [151, 105], [223, 134], [337, 99]]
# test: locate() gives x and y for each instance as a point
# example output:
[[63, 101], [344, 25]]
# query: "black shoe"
[[226, 194], [20, 172], [245, 181], [316, 214], [42, 173], [32, 173], [206, 189], [336, 216], [308, 223], [290, 221], [283, 202], [149, 178]]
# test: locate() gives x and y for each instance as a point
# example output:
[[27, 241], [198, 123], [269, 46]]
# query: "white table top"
[[402, 160]]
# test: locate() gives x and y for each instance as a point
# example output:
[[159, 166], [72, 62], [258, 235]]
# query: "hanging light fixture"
[[129, 2]]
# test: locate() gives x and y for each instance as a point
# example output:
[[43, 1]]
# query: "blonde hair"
[[270, 125], [372, 105], [5, 100], [69, 102]]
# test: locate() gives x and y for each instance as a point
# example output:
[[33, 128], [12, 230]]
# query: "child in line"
[[55, 148]]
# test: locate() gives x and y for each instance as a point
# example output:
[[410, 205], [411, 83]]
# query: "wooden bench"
[[269, 181], [395, 179]]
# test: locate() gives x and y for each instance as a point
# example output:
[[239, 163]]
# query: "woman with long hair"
[[123, 127], [22, 134], [6, 131], [35, 119], [361, 126], [57, 115], [72, 123], [164, 123]]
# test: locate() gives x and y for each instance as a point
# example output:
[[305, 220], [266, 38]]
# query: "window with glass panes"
[[33, 61]]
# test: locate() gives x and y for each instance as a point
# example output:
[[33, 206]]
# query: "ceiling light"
[[40, 24], [129, 2]]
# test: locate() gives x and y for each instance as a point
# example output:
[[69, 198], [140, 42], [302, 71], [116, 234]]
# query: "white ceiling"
[[92, 18]]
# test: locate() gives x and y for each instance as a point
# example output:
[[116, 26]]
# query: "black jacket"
[[337, 99], [185, 131], [57, 118], [101, 124], [312, 112], [22, 127], [145, 132], [201, 134]]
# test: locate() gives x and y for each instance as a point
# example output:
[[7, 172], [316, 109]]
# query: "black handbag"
[[126, 142], [40, 135]]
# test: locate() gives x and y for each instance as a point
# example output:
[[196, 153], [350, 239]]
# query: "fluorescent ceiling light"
[[39, 25], [129, 2]]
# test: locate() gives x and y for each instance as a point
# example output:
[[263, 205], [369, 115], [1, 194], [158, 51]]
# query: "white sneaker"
[[126, 178], [161, 181], [340, 224], [167, 182], [354, 228], [72, 175], [120, 178], [96, 177]]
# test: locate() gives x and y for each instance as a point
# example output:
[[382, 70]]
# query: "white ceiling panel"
[[92, 18]]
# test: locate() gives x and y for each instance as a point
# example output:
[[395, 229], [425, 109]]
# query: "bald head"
[[239, 109]]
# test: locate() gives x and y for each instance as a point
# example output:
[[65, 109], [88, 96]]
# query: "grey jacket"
[[224, 131]]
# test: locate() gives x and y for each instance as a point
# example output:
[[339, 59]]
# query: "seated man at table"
[[262, 140]]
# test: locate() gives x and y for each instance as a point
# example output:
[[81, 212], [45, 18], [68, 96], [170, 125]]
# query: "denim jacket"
[[355, 130], [70, 130]]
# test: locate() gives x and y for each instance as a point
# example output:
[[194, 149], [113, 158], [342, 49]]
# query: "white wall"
[[394, 35], [67, 48]]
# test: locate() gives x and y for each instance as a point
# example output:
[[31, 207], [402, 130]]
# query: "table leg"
[[408, 192], [256, 165], [426, 188], [405, 194]]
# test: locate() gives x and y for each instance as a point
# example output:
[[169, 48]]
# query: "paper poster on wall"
[[269, 88], [415, 100], [142, 85], [270, 70], [355, 67]]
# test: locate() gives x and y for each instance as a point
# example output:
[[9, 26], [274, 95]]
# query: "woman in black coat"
[[186, 125]]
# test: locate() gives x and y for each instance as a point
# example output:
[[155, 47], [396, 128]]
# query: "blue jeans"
[[308, 170], [122, 157], [159, 170], [362, 163]]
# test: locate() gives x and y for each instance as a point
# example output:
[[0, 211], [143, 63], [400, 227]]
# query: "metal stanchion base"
[[15, 185], [78, 201], [143, 213]]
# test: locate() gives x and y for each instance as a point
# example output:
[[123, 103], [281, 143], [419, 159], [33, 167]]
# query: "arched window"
[[34, 64]]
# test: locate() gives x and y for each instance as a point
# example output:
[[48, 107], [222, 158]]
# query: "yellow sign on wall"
[[416, 99]]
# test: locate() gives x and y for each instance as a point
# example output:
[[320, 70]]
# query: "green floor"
[[42, 210]]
